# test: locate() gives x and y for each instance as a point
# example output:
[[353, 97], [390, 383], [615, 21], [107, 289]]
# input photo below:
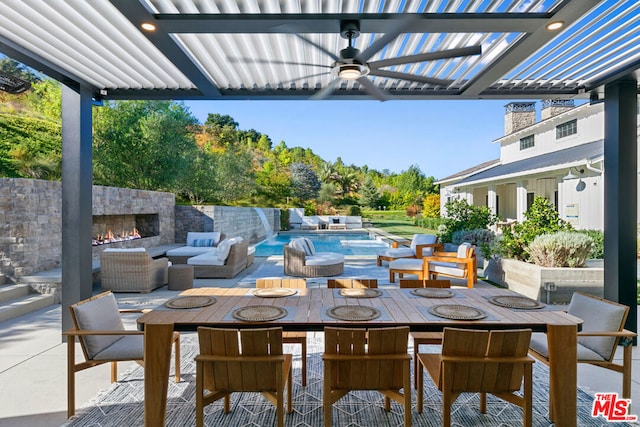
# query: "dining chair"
[[249, 360], [352, 283], [382, 364], [98, 326], [478, 361], [423, 338], [602, 331], [290, 337]]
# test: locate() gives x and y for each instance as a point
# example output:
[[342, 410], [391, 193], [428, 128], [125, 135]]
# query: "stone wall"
[[31, 221], [229, 220]]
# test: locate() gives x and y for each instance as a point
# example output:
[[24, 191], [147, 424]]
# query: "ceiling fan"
[[352, 64]]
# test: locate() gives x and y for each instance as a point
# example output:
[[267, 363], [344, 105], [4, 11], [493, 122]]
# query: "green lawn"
[[395, 222]]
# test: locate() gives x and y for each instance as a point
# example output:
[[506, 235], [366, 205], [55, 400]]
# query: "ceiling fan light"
[[350, 72], [554, 26]]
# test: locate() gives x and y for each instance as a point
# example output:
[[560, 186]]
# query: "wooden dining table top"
[[306, 310]]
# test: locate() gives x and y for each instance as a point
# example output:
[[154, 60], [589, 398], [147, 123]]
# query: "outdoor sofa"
[[132, 270], [228, 259], [197, 243]]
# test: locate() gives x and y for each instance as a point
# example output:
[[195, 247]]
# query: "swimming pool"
[[343, 243]]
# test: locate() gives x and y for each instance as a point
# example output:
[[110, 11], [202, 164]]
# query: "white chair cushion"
[[423, 239], [324, 258], [207, 258], [189, 251], [450, 268], [100, 314], [539, 345], [397, 252], [125, 250], [406, 264], [297, 244], [597, 315], [213, 236], [224, 248], [129, 347], [463, 249]]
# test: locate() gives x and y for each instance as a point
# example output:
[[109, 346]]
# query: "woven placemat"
[[511, 301], [433, 292], [360, 293], [457, 312], [259, 313], [353, 312], [274, 292], [194, 301]]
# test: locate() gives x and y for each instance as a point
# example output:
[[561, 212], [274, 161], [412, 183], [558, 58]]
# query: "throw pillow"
[[307, 245], [201, 243], [224, 248]]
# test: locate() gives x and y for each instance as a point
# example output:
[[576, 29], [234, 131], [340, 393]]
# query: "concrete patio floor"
[[33, 362]]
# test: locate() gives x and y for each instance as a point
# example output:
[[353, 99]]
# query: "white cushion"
[[324, 258], [462, 250], [125, 250], [225, 247], [423, 239], [207, 258], [450, 268], [100, 314], [539, 345], [297, 244], [129, 347], [251, 250], [406, 264], [189, 251], [397, 252], [193, 235], [597, 315]]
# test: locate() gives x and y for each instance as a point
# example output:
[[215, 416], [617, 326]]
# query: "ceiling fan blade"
[[429, 56], [326, 91], [317, 46], [302, 78], [372, 89], [410, 77], [396, 30], [266, 61]]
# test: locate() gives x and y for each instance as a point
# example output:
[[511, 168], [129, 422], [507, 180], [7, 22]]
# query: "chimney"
[[553, 107], [518, 115]]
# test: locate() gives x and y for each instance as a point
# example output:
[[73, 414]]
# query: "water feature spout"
[[267, 227]]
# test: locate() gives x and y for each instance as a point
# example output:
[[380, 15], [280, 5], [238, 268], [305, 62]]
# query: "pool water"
[[343, 243]]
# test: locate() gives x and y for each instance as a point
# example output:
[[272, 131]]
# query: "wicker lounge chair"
[[322, 264]]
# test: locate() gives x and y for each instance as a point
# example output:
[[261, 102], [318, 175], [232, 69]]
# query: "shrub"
[[431, 206], [597, 251], [561, 249], [463, 216], [430, 223], [483, 238], [412, 211], [542, 218], [354, 210], [284, 219]]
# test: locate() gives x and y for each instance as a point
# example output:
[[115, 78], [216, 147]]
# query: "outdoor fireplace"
[[119, 228]]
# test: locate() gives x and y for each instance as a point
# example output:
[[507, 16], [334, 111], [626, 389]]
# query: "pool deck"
[[33, 358]]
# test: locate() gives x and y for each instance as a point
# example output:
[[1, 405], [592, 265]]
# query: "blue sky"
[[441, 137]]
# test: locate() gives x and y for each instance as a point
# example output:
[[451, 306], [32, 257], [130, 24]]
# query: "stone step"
[[24, 305], [11, 292]]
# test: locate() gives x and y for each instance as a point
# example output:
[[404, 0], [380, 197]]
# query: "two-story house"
[[559, 157]]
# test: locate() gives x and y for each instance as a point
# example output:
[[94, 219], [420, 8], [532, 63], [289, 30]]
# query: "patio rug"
[[122, 403], [353, 268]]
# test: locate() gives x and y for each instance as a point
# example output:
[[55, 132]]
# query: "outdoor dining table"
[[306, 310]]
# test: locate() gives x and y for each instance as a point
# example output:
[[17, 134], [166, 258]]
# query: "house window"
[[530, 197], [566, 129], [526, 142]]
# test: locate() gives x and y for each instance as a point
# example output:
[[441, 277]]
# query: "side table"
[[180, 277]]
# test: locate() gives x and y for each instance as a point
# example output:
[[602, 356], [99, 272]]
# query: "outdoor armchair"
[[132, 270], [103, 338], [602, 332], [421, 245]]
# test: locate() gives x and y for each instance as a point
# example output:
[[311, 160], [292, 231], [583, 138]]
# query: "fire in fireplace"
[[110, 237]]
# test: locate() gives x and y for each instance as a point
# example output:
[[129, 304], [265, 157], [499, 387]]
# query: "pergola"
[[291, 49]]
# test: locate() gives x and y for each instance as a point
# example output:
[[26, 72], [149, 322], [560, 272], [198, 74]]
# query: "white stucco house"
[[559, 157]]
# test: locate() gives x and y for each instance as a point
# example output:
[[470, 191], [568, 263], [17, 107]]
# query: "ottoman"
[[180, 277]]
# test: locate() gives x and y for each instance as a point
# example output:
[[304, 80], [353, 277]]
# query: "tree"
[[369, 194], [143, 144], [304, 182], [220, 120]]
